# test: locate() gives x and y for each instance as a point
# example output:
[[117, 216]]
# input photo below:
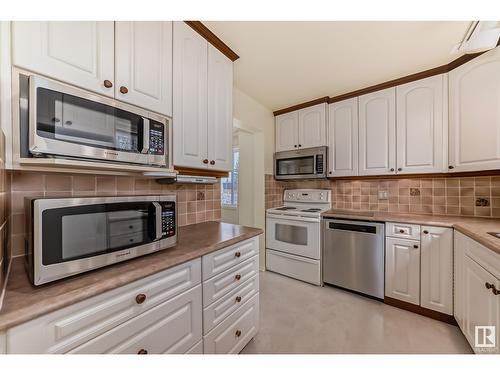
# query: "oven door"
[[74, 235], [70, 122], [294, 235]]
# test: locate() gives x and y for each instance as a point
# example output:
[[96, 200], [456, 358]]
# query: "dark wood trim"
[[421, 310], [201, 172], [385, 85], [493, 172], [310, 103], [213, 39]]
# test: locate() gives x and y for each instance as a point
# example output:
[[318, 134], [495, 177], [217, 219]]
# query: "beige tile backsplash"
[[465, 196], [196, 203]]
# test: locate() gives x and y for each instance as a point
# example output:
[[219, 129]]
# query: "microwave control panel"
[[156, 138], [168, 218]]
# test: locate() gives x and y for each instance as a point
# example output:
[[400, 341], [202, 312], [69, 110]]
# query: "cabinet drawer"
[[69, 327], [228, 257], [225, 282], [407, 231], [222, 308], [235, 332], [172, 327]]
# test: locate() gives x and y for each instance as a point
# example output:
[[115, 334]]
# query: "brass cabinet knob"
[[123, 89], [205, 161], [212, 162], [237, 254], [488, 285], [401, 231], [495, 291], [451, 167], [237, 277], [295, 146], [300, 145], [238, 333], [415, 246], [140, 298], [238, 299], [142, 351], [108, 84], [392, 169], [426, 232], [400, 169]]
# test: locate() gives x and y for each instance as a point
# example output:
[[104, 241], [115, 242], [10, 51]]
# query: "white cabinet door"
[[189, 97], [481, 306], [402, 270], [343, 138], [377, 132], [474, 99], [312, 126], [287, 131], [422, 131], [436, 274], [459, 245], [143, 64], [220, 110], [80, 53]]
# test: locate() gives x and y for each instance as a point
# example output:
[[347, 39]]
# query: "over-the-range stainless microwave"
[[58, 120], [68, 236], [300, 164]]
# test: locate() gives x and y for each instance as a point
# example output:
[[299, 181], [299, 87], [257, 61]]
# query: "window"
[[229, 191]]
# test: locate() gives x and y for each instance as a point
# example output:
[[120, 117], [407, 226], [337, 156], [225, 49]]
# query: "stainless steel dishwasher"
[[353, 255]]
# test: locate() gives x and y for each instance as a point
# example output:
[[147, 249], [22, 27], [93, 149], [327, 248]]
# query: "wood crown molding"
[[213, 39], [201, 172], [491, 172], [310, 103], [385, 85]]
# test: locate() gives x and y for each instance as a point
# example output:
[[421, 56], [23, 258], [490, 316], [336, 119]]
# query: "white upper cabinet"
[[143, 65], [220, 110], [343, 138], [474, 100], [80, 53], [312, 126], [436, 262], [190, 97], [287, 131], [303, 128], [422, 131], [377, 132]]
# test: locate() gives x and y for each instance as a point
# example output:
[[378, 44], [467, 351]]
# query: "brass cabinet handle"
[[238, 333], [123, 89], [205, 161], [142, 351], [140, 298], [238, 299], [237, 277], [212, 162], [401, 231], [237, 254], [108, 84]]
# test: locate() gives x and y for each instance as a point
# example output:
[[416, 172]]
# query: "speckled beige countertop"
[[23, 301], [475, 228]]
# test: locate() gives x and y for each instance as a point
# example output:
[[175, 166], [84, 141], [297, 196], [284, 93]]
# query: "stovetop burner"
[[286, 208], [311, 210]]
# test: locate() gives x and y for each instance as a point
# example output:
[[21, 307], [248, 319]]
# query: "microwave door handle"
[[158, 223], [145, 135]]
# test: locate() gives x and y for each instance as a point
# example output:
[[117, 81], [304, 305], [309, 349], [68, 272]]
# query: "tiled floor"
[[300, 318]]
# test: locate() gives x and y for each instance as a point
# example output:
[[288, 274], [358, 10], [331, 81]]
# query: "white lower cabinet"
[[402, 270], [477, 294], [197, 348]]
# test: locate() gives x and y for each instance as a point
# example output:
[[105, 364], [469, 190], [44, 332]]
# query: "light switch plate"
[[382, 194]]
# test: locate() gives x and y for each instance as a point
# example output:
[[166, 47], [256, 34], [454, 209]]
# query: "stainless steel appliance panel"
[[299, 164], [353, 256]]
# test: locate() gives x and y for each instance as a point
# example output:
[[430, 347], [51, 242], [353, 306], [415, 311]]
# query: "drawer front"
[[67, 328], [225, 306], [235, 332], [228, 257], [197, 348], [172, 327], [399, 230], [227, 281]]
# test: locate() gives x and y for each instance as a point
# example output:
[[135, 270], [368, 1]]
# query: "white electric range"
[[293, 234]]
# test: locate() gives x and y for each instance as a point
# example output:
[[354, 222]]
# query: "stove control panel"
[[307, 195]]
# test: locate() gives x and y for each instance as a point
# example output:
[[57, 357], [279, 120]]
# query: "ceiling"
[[286, 63]]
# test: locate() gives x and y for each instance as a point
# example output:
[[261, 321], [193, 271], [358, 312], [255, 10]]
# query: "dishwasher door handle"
[[352, 227]]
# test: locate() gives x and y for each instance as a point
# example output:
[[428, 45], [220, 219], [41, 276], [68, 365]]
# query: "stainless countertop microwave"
[[68, 236], [58, 120], [301, 164]]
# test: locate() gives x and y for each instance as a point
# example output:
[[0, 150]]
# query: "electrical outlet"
[[383, 194]]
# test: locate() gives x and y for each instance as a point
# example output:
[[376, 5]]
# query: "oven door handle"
[[158, 221], [294, 218], [145, 135]]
